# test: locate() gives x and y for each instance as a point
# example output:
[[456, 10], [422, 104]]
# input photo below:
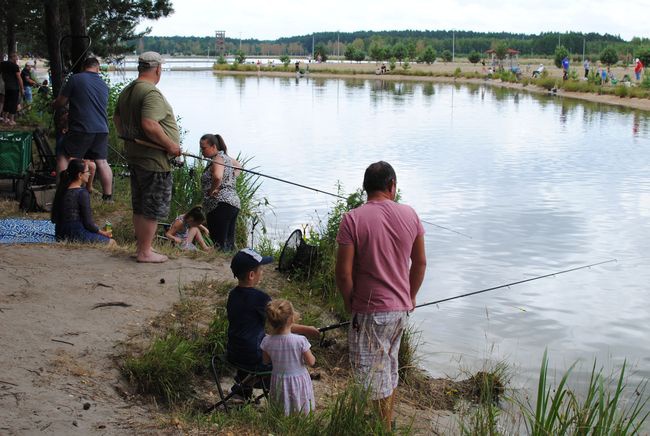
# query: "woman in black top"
[[71, 211]]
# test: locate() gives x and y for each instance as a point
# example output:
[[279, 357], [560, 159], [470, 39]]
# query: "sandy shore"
[[58, 371]]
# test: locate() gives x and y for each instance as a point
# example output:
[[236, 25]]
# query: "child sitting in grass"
[[246, 309], [291, 386], [187, 230]]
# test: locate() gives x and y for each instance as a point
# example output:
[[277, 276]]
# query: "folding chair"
[[251, 379]]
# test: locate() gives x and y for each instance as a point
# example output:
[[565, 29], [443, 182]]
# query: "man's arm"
[[418, 266], [156, 134], [344, 264]]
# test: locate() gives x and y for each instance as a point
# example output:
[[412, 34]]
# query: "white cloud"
[[270, 20]]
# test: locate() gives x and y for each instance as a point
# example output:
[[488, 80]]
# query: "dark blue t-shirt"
[[246, 318], [88, 96]]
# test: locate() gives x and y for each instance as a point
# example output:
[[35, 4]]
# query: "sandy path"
[[48, 294]]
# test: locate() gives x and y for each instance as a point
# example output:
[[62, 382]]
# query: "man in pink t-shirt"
[[380, 266]]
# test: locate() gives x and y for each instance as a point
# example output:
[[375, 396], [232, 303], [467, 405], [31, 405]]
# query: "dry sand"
[[57, 351]]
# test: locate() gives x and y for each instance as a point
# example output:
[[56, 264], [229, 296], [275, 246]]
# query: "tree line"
[[399, 44]]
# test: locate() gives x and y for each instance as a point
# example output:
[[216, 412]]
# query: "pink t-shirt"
[[383, 233]]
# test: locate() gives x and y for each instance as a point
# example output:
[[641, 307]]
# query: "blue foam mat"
[[24, 231]]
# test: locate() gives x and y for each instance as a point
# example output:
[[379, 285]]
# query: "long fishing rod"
[[159, 147], [343, 324]]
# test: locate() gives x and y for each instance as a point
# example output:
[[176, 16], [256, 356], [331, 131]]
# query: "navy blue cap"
[[247, 260]]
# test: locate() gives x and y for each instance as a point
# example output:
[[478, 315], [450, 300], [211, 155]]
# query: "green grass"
[[164, 369]]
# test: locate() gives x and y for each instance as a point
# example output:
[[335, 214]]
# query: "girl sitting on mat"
[[71, 211], [187, 230], [291, 386]]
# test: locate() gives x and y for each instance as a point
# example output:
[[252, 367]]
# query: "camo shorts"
[[374, 340], [151, 193]]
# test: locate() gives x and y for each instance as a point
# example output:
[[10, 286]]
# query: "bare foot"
[[152, 258]]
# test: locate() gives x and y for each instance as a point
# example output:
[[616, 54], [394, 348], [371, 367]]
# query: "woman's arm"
[[217, 175], [85, 212], [309, 358]]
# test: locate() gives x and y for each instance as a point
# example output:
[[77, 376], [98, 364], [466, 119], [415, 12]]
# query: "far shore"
[[366, 71]]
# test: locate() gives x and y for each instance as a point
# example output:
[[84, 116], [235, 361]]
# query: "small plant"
[[221, 60], [621, 90], [392, 63], [406, 64], [164, 369], [457, 72], [285, 59], [446, 56], [474, 57], [240, 57]]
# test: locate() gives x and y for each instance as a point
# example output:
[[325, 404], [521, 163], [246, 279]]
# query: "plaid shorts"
[[374, 340], [151, 193]]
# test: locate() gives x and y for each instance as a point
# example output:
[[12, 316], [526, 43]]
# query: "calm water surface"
[[540, 184]]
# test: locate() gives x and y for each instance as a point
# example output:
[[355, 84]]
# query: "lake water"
[[541, 184]]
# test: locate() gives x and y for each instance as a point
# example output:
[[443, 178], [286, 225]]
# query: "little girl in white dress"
[[289, 353]]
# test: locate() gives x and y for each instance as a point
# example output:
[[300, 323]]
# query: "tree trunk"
[[53, 34], [11, 31], [78, 33]]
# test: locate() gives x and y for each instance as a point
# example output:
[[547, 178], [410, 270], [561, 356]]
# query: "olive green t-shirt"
[[141, 99]]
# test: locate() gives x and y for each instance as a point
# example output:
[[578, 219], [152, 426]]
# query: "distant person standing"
[[565, 68], [143, 113], [380, 266], [13, 87], [28, 82], [586, 66], [87, 134], [638, 69]]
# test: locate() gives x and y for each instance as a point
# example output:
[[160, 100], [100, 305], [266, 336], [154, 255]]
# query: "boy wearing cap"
[[246, 309]]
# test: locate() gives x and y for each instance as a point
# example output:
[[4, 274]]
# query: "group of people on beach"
[[380, 261]]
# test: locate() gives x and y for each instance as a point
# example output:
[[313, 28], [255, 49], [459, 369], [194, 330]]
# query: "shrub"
[[446, 56], [240, 57], [609, 56], [406, 64], [621, 91], [392, 63], [285, 59], [221, 60], [560, 53], [644, 55], [474, 57], [457, 72], [428, 56]]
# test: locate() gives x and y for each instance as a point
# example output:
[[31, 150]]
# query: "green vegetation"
[[560, 53], [446, 56], [428, 56], [474, 57], [609, 56]]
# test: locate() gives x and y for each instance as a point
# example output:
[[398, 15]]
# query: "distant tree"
[[359, 55], [359, 44], [399, 51], [411, 48], [321, 50], [474, 57], [428, 56], [446, 56], [392, 63], [349, 52], [560, 53], [240, 57], [285, 59], [501, 50], [377, 51], [221, 60], [609, 56], [406, 64]]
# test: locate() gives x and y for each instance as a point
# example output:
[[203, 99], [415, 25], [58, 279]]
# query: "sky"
[[263, 19]]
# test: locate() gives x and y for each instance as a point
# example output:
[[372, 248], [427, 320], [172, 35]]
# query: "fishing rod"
[[343, 324], [176, 163]]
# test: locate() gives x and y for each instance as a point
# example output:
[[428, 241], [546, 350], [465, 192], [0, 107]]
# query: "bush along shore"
[[166, 361]]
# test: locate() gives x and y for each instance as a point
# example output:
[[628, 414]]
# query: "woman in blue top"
[[71, 211], [220, 200]]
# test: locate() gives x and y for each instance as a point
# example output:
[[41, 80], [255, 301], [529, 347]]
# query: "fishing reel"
[[177, 162]]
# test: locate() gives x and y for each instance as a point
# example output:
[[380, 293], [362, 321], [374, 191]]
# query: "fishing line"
[[342, 324], [153, 145]]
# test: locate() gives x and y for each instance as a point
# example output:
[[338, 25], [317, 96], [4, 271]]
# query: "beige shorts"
[[374, 340]]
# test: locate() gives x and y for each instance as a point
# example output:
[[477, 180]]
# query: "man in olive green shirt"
[[143, 113]]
